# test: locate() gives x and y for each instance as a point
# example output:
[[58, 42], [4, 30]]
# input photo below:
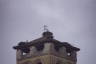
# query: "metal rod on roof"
[[45, 28]]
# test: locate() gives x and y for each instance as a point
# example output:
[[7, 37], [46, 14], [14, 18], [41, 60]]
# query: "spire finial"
[[45, 28]]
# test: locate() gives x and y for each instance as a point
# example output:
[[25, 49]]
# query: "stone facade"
[[46, 50]]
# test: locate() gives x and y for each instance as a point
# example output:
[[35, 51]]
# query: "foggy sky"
[[72, 21]]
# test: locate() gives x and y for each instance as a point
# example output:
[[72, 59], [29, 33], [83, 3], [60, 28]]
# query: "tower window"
[[24, 53], [69, 54]]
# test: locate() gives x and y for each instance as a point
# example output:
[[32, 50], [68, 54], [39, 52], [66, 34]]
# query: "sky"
[[72, 21]]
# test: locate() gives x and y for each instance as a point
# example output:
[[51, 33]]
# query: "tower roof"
[[47, 37]]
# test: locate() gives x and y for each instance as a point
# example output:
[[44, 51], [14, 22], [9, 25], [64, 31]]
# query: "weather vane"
[[45, 28]]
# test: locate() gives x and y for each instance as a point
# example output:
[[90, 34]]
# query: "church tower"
[[46, 50]]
